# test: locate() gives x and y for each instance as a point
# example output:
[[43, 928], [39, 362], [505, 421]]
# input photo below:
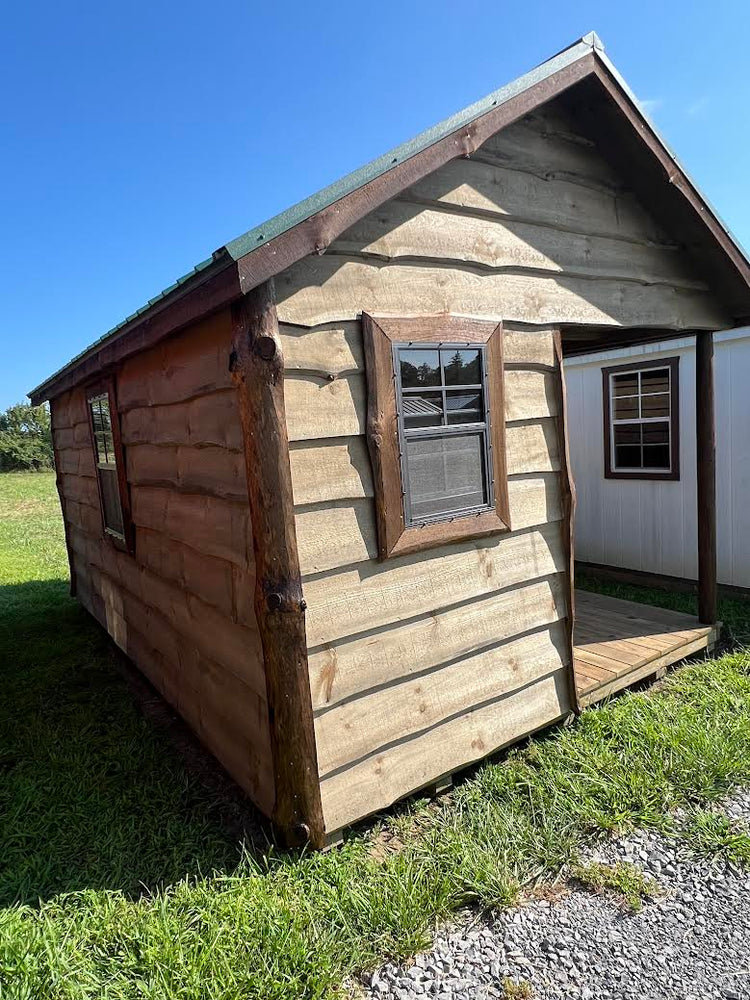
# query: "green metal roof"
[[303, 210]]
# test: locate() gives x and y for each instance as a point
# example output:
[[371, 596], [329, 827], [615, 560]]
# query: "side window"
[[641, 420], [110, 466], [444, 422], [436, 430]]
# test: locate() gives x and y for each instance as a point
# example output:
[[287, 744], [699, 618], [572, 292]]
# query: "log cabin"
[[319, 490]]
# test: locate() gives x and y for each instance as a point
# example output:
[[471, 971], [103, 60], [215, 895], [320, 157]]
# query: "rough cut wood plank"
[[217, 527], [207, 420], [348, 668], [403, 230], [339, 468], [333, 288], [335, 349], [380, 780], [207, 577], [370, 595], [548, 142], [210, 470], [501, 191], [192, 363], [630, 677], [317, 408], [332, 469], [354, 729], [639, 611], [344, 533]]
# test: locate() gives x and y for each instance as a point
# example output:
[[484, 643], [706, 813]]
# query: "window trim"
[[610, 472], [381, 336], [106, 387]]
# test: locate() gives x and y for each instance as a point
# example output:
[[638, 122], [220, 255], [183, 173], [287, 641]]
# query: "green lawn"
[[122, 874]]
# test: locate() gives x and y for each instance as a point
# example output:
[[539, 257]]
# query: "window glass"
[[641, 419], [106, 464], [419, 368], [445, 474], [441, 391]]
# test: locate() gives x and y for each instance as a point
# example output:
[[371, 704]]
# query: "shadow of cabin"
[[103, 787]]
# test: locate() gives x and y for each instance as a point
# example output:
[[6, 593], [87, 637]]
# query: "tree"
[[25, 438]]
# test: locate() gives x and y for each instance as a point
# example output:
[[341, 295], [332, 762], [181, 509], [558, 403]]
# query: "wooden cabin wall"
[[424, 663], [181, 607]]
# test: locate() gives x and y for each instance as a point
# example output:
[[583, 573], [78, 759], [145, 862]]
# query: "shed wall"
[[181, 607], [652, 526], [424, 663]]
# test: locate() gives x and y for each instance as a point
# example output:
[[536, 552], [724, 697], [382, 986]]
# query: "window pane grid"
[[106, 463], [444, 442], [641, 424]]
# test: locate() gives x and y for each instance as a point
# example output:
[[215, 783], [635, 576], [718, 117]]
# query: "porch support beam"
[[705, 433]]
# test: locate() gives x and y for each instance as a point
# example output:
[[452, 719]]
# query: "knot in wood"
[[275, 602], [265, 347]]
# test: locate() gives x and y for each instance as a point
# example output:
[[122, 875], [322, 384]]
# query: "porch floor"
[[618, 643]]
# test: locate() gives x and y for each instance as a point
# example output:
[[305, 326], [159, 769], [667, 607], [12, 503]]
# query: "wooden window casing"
[[636, 420], [109, 460], [399, 532]]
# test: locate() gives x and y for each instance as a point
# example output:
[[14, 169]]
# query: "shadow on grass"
[[95, 792]]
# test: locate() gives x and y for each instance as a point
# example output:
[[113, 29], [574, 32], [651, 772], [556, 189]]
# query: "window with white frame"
[[641, 420]]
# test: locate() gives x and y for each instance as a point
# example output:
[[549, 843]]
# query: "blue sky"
[[138, 137]]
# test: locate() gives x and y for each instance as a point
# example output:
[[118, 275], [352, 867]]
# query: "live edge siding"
[[424, 663], [181, 607]]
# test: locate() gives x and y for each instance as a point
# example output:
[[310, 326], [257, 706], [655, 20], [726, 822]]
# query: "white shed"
[[645, 519]]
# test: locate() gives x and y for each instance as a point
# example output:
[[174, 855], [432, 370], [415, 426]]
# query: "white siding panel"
[[653, 526]]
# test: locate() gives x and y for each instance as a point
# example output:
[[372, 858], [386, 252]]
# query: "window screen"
[[444, 430], [106, 464], [641, 408]]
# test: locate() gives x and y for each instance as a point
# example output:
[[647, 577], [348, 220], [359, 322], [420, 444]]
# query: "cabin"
[[320, 489], [639, 523]]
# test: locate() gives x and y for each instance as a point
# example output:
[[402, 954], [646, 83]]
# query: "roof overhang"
[[603, 102]]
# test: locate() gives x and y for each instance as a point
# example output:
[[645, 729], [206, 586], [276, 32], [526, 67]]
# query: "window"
[[110, 467], [641, 420], [436, 430]]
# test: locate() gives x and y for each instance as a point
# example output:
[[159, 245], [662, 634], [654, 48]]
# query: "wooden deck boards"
[[618, 643]]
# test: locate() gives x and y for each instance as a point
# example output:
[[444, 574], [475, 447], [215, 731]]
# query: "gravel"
[[691, 943]]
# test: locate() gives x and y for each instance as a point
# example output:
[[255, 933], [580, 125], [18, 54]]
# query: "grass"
[[627, 882], [123, 877]]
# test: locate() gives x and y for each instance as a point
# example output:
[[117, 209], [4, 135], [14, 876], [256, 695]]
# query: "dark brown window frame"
[[673, 475], [380, 334], [125, 541]]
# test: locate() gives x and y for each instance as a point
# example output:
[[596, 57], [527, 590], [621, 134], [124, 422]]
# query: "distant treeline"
[[25, 439]]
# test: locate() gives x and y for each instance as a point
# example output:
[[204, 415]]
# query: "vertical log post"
[[568, 495], [257, 367], [705, 435]]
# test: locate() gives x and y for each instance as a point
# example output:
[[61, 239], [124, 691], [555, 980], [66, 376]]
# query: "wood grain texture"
[[196, 363], [206, 420], [568, 511], [705, 451], [336, 287], [338, 534], [257, 366], [370, 595], [402, 231], [502, 191], [319, 409], [388, 654], [211, 470], [339, 469], [355, 729], [379, 780]]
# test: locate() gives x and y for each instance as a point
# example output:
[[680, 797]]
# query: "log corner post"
[[568, 495], [257, 367], [705, 451]]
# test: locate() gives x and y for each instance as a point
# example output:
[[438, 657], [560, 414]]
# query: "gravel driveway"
[[691, 943]]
